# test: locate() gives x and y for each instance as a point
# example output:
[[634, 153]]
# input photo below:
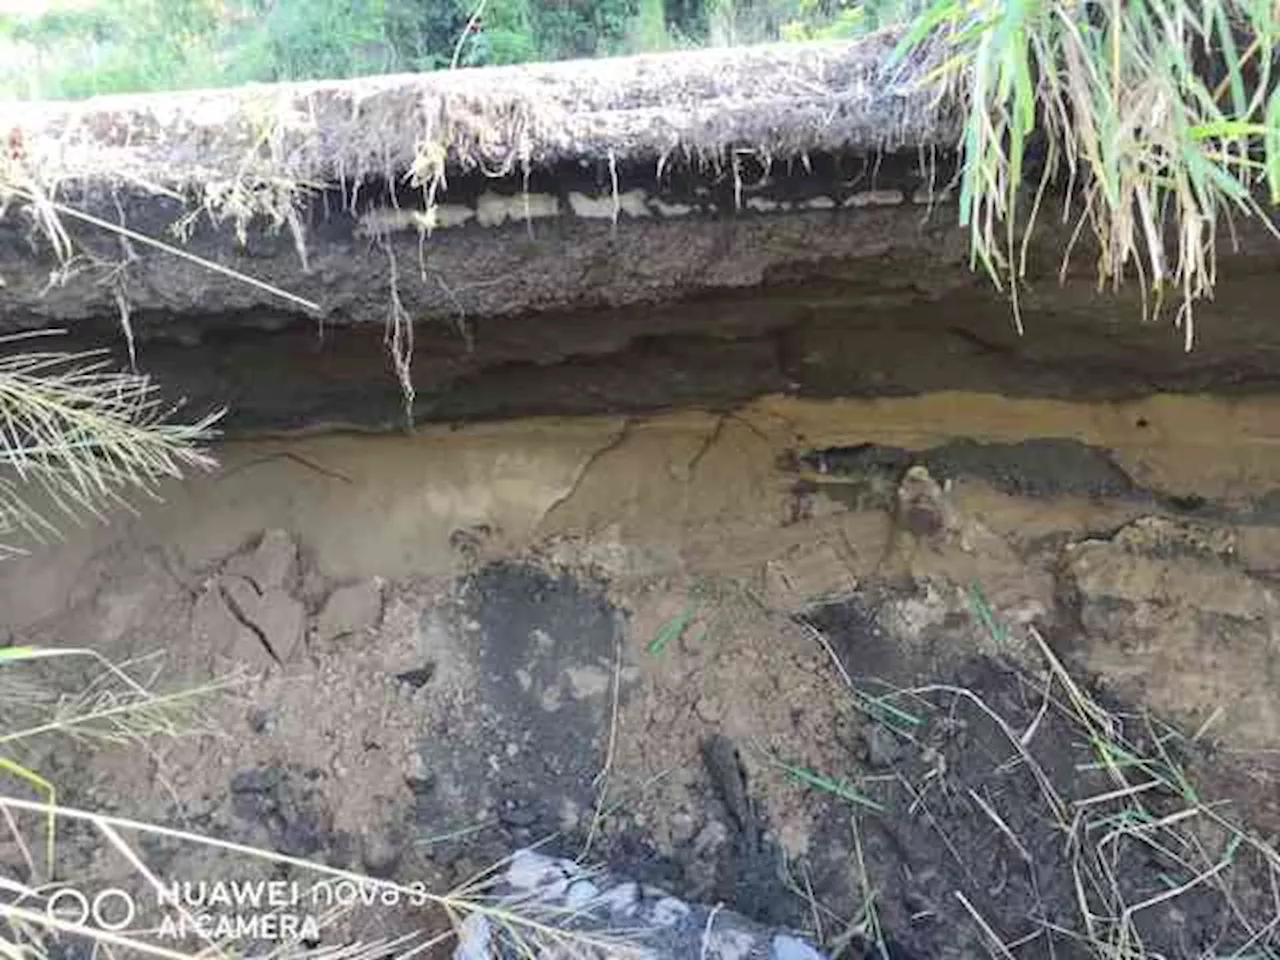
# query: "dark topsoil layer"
[[865, 474], [751, 291]]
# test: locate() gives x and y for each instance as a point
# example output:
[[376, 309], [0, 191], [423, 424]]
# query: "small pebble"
[[787, 947], [711, 837], [379, 854], [883, 746], [513, 815]]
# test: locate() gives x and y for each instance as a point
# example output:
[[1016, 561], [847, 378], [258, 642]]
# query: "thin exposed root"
[[398, 336]]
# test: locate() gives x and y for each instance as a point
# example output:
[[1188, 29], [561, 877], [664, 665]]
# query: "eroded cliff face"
[[625, 290]]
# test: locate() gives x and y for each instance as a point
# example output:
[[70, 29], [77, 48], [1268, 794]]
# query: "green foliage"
[[506, 35], [838, 19], [581, 28], [94, 23], [134, 45], [649, 30], [114, 47]]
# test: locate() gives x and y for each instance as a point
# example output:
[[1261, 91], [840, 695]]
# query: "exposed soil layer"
[[638, 641], [697, 287], [301, 375]]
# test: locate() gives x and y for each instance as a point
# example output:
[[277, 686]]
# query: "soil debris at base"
[[963, 717]]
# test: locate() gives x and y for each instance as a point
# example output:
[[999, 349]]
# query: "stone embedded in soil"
[[418, 677], [786, 947], [259, 720], [883, 747], [711, 838], [635, 915], [350, 609], [709, 710], [922, 508], [516, 815], [588, 681], [381, 853], [271, 564]]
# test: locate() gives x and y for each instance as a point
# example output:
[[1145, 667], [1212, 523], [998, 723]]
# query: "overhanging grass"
[[1162, 118]]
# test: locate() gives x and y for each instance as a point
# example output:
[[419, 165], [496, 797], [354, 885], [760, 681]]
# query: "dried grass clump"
[[78, 437]]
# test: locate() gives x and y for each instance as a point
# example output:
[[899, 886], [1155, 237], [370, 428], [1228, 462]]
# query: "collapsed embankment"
[[676, 643], [660, 642]]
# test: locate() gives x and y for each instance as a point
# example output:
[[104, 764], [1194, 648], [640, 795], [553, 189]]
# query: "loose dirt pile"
[[894, 698]]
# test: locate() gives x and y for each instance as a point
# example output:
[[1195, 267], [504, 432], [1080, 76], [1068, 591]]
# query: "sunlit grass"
[[1160, 117]]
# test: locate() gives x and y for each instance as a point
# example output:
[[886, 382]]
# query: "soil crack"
[[708, 442], [245, 620], [613, 443]]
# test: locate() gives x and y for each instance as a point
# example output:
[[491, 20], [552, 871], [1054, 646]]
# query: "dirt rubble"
[[671, 646]]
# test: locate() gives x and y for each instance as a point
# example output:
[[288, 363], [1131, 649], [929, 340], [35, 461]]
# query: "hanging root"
[[398, 336]]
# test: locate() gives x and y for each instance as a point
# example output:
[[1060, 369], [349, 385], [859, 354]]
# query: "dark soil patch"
[[864, 475], [996, 819], [287, 804], [1037, 467]]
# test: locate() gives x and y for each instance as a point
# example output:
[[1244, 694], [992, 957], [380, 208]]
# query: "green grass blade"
[[1271, 141], [672, 629], [998, 632], [1230, 56], [923, 25], [836, 788]]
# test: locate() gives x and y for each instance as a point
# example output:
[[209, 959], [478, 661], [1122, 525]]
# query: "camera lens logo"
[[111, 909]]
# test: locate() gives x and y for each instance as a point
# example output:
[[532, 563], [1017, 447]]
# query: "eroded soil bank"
[[757, 657], [850, 281]]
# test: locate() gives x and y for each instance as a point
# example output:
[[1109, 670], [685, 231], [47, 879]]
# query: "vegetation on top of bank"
[[1160, 119], [129, 46]]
